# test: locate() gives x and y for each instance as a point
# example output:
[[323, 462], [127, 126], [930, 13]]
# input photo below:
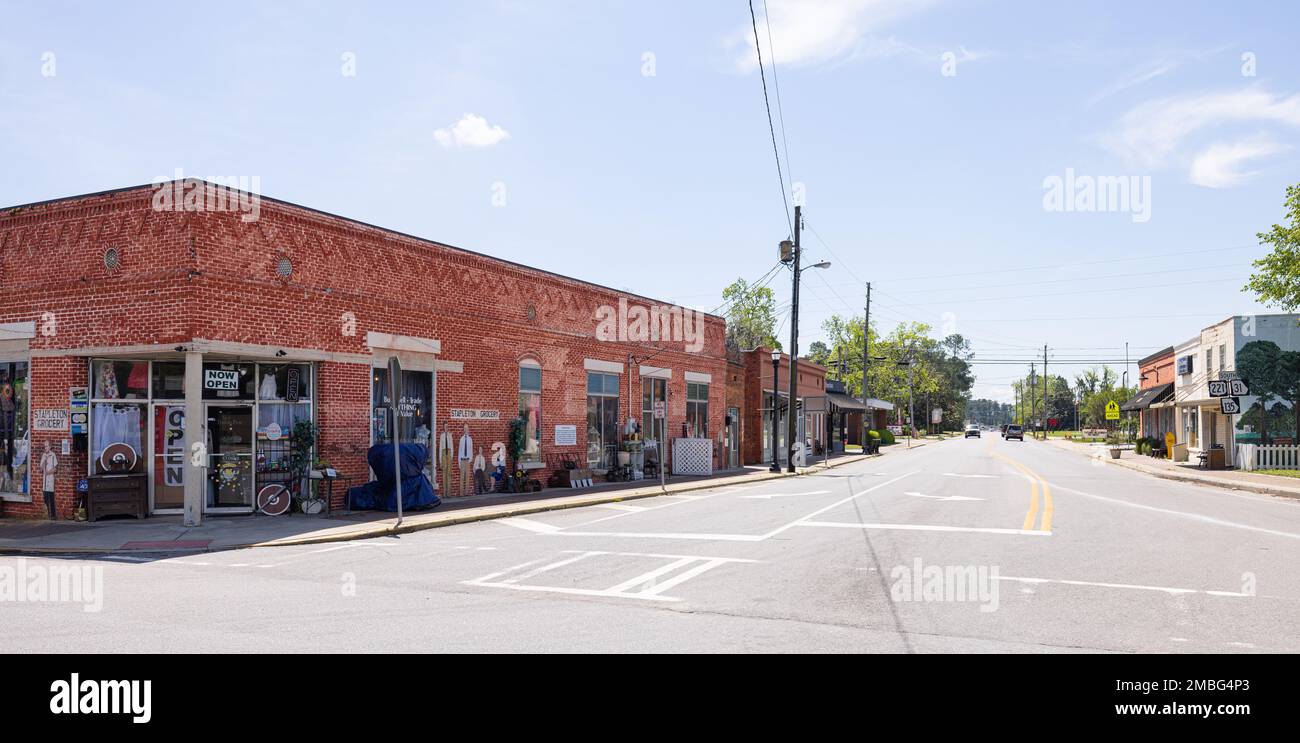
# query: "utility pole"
[[794, 343], [1033, 389], [866, 360], [1044, 392]]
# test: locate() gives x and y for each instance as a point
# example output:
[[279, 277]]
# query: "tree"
[[751, 316], [1287, 382], [1257, 365], [1278, 279]]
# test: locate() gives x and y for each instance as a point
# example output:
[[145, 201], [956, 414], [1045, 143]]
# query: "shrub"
[[886, 436]]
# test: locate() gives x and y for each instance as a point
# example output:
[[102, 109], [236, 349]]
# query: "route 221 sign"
[[1228, 387]]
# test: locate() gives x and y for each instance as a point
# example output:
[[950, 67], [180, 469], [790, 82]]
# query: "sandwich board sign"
[[1112, 411], [1230, 405]]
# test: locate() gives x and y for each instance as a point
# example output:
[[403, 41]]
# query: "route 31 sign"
[[1229, 405], [1226, 387]]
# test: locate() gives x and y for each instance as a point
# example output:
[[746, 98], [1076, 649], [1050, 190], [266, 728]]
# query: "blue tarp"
[[378, 495]]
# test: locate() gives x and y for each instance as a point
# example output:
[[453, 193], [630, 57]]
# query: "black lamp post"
[[776, 369]]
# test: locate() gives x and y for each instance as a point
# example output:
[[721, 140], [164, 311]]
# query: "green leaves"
[[751, 316], [1277, 281]]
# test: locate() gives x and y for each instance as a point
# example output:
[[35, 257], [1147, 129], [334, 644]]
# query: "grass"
[[1279, 473]]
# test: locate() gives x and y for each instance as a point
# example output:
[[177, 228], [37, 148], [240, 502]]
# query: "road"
[[1015, 547]]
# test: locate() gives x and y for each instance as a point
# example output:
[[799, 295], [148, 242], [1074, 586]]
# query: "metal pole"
[[794, 345], [1044, 392], [394, 392], [866, 359]]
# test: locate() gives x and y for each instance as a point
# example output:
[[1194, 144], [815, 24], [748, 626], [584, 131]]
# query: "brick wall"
[[207, 275]]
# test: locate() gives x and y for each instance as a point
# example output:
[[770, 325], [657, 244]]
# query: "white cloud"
[[471, 131], [817, 31], [1219, 165], [1171, 131]]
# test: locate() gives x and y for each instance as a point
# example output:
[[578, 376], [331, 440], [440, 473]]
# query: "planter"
[[313, 506], [1114, 453]]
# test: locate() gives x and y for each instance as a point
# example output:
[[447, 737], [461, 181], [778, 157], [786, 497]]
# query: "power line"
[[776, 83], [772, 128]]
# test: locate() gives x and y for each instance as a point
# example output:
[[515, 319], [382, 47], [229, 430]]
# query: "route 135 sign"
[[1229, 405]]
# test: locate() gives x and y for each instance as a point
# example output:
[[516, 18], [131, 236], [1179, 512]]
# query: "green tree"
[[751, 316], [1277, 281]]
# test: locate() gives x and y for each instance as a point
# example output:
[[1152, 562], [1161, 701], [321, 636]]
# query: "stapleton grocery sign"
[[475, 415]]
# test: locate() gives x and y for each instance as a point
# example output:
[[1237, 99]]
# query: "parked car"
[[972, 430], [1014, 432], [1003, 430]]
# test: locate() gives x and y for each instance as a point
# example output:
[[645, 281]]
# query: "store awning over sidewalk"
[[1149, 396], [844, 402]]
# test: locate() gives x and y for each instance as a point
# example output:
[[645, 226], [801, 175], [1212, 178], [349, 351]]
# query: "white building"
[[1212, 355]]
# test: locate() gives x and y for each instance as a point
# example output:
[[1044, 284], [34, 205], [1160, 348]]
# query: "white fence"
[[1257, 457]]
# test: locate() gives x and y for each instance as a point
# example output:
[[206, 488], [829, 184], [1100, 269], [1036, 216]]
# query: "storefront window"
[[414, 410], [117, 438], [602, 419], [289, 382], [697, 410], [530, 409], [16, 446], [169, 380], [121, 380], [228, 381], [652, 391]]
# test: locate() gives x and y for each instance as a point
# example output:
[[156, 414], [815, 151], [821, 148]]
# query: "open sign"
[[221, 379]]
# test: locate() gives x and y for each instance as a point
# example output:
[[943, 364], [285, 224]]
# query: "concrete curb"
[[1194, 479], [452, 518]]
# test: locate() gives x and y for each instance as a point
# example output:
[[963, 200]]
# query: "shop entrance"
[[168, 491], [733, 437], [230, 458]]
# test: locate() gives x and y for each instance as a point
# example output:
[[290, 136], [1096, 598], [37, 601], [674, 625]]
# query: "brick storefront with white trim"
[[199, 287]]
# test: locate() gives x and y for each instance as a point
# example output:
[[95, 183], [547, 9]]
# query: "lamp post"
[[776, 370]]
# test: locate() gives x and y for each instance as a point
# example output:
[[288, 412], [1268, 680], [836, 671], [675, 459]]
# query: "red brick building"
[[161, 314], [756, 403], [1154, 400]]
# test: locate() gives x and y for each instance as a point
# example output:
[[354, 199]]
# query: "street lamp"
[[776, 369]]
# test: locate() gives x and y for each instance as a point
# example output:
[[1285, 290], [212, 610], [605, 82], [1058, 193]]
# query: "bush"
[[886, 436]]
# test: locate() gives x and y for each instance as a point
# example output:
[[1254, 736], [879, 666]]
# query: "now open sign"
[[221, 379]]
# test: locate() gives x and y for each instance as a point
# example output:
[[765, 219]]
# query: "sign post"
[[395, 394], [661, 413]]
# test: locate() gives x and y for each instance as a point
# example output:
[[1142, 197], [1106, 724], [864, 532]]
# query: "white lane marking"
[[958, 474], [940, 497], [641, 580], [1179, 639], [834, 505], [926, 527], [1193, 516], [552, 566], [666, 535], [536, 527], [650, 589], [768, 496], [1131, 586], [621, 507]]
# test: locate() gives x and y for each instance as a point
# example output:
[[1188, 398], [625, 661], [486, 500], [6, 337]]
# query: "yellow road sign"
[[1112, 411]]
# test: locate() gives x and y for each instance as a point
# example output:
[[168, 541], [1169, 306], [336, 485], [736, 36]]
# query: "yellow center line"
[[1034, 481]]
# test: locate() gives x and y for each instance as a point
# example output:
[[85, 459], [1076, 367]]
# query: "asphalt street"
[[976, 545]]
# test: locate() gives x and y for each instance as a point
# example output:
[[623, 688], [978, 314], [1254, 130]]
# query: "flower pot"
[[1114, 453]]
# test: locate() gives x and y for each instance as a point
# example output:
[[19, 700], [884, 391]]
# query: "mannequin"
[[49, 464], [480, 473], [444, 460], [464, 459]]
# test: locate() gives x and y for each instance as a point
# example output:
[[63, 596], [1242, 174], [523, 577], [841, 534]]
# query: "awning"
[[1145, 398], [844, 402]]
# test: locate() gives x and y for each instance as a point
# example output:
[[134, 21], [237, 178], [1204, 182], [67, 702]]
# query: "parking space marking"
[[648, 585], [1131, 586]]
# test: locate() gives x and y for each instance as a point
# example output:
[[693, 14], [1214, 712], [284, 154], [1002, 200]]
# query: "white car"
[[972, 430]]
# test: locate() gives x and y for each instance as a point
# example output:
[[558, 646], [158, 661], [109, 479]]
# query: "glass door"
[[733, 438], [168, 491], [230, 457]]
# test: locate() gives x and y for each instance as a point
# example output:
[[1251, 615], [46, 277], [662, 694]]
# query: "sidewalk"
[[168, 534], [1190, 473]]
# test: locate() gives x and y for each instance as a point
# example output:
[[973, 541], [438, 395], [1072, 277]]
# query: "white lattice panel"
[[692, 456]]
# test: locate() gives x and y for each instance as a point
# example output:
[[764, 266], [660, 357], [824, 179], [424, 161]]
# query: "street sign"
[[1218, 388], [1112, 411], [1239, 388], [1230, 405]]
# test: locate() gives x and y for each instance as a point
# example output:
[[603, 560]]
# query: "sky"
[[941, 150]]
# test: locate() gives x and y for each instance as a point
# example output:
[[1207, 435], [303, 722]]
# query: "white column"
[[196, 455]]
